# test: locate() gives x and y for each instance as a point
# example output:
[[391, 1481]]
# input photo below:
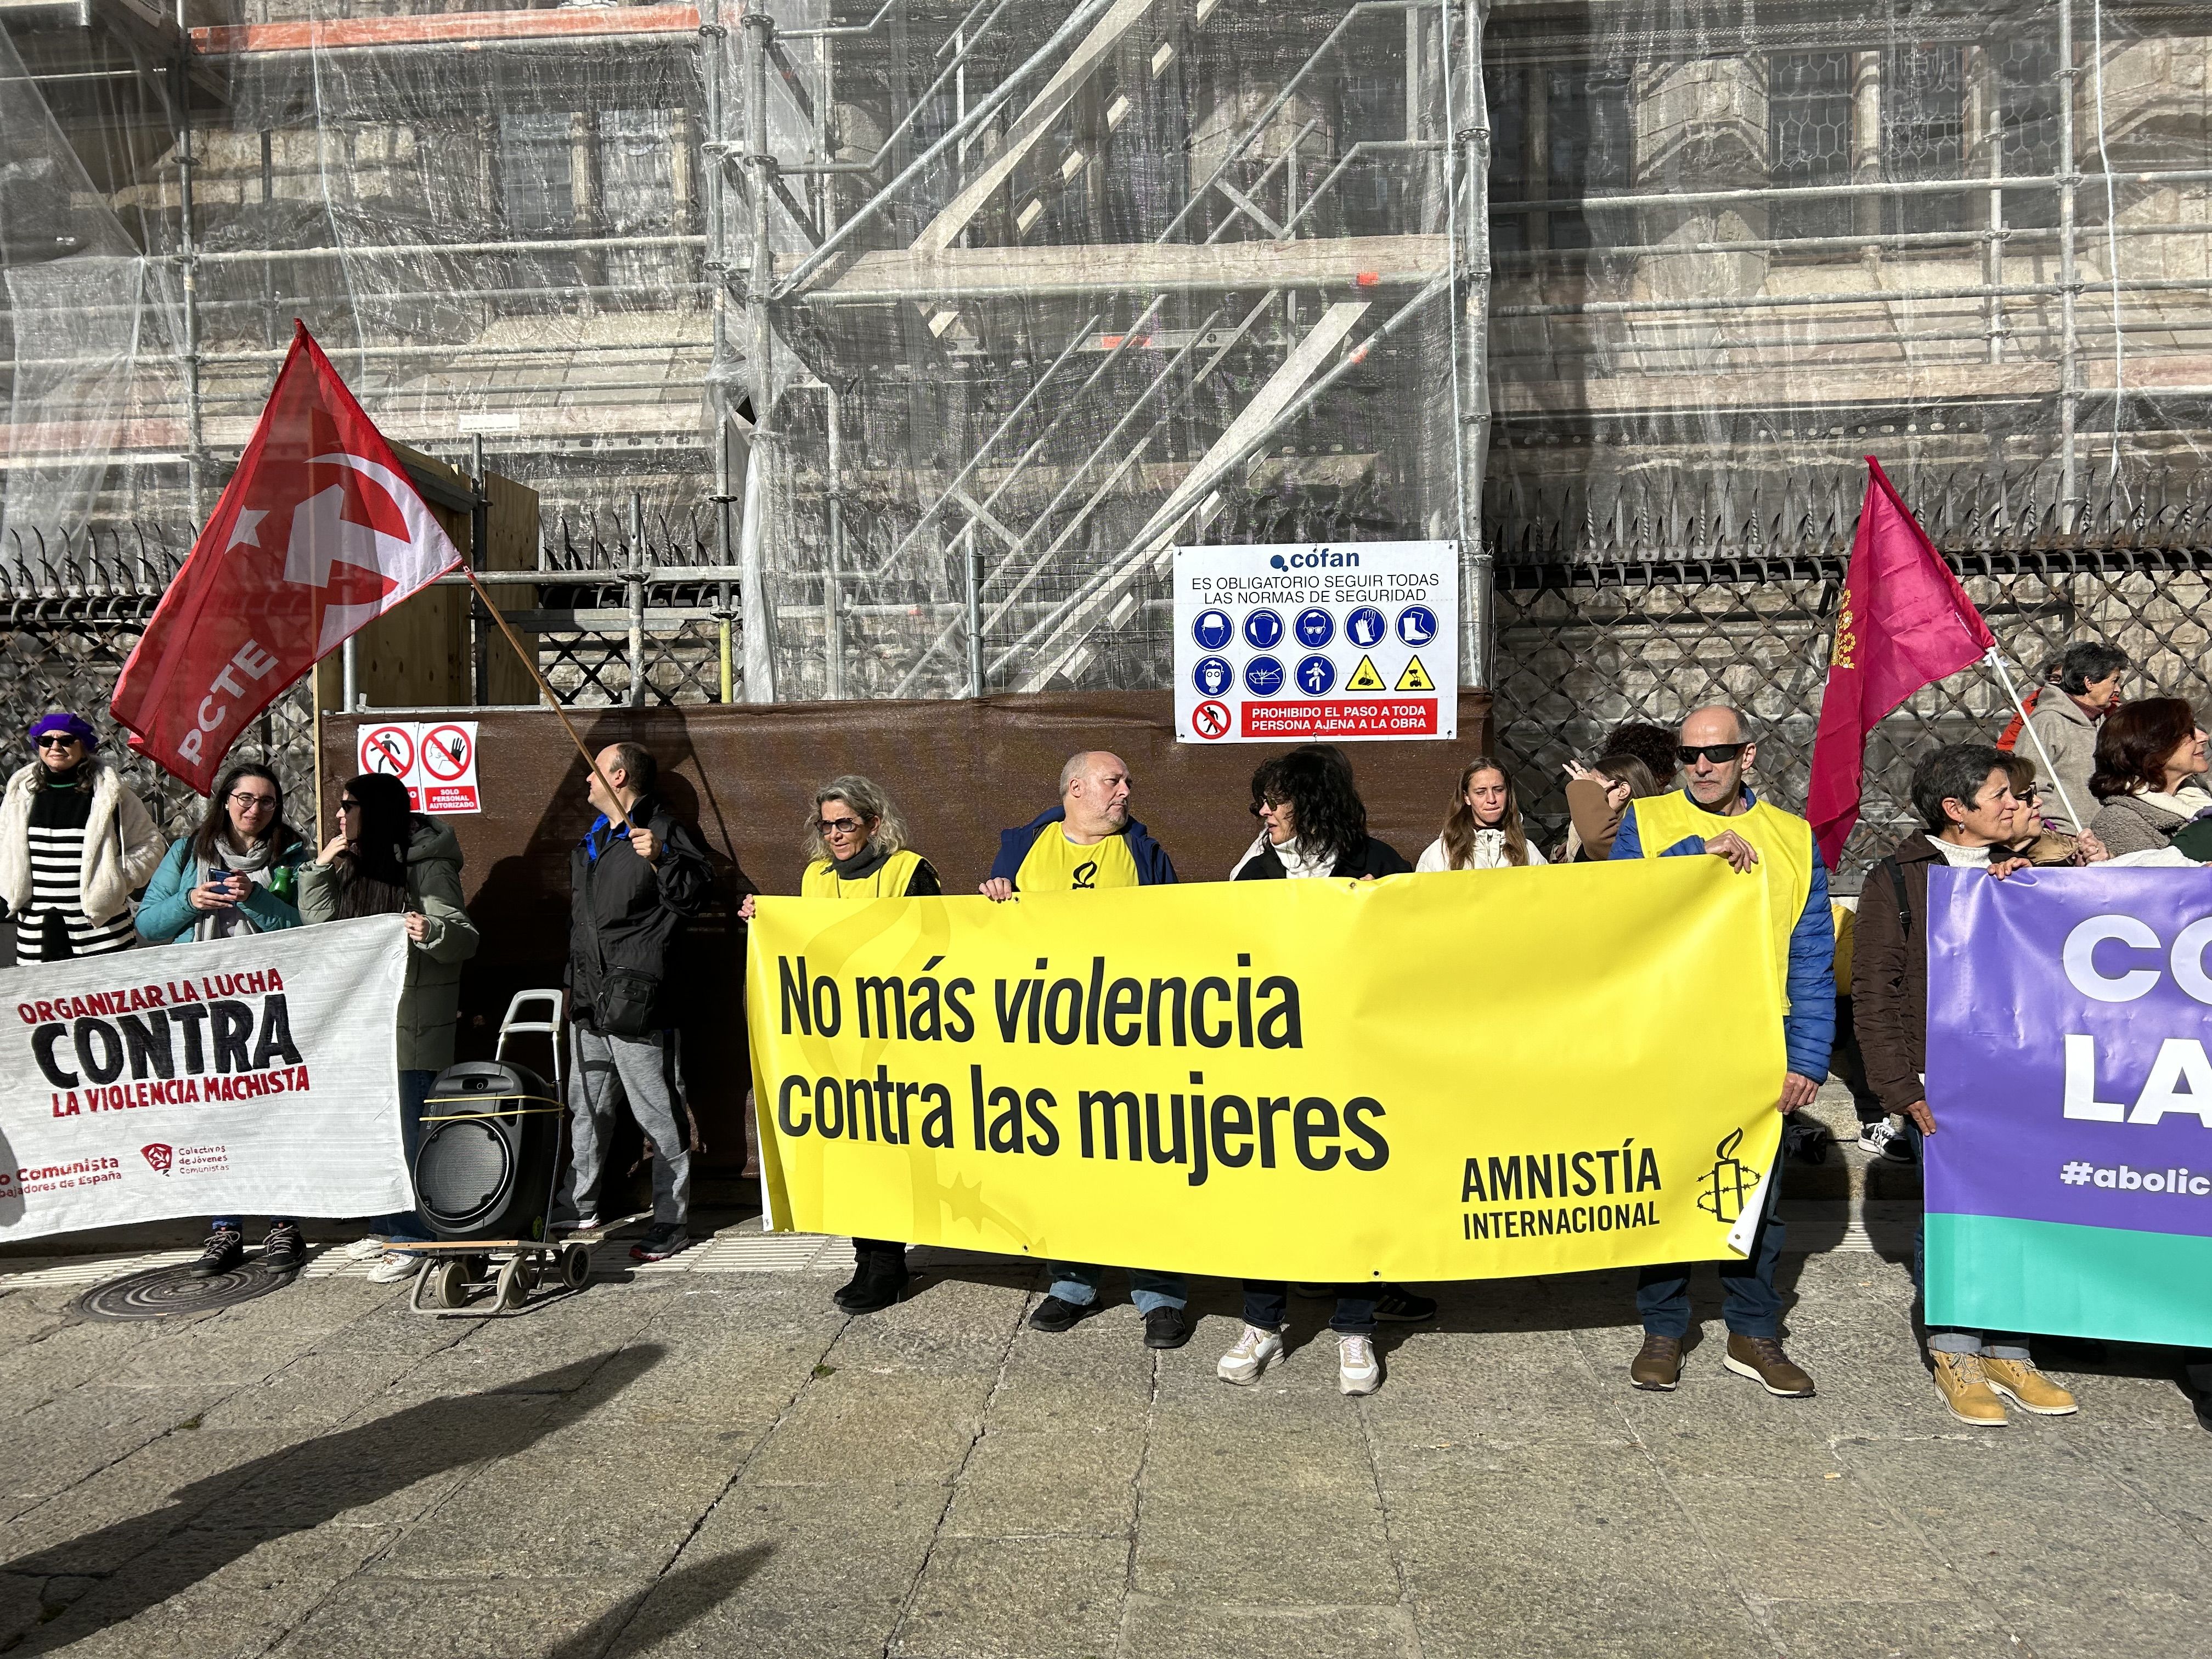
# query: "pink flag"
[[1903, 623]]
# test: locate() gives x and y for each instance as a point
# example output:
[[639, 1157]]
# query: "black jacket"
[[1371, 858], [624, 911]]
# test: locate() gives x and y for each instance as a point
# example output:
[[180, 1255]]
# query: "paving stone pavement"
[[721, 1463]]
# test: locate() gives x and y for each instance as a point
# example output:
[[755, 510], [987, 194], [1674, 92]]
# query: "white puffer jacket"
[[122, 848]]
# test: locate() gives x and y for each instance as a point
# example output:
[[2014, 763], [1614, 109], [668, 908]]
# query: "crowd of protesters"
[[2083, 778]]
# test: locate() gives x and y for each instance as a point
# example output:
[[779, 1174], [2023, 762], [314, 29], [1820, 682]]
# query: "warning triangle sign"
[[1363, 677], [1415, 679]]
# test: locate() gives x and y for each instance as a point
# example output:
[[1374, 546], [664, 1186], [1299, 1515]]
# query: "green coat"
[[431, 1004]]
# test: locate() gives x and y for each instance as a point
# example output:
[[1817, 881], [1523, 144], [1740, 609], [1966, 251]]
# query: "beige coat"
[[2071, 738], [122, 848]]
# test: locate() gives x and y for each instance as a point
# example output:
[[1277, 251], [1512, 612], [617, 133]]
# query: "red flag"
[[318, 533], [1903, 623]]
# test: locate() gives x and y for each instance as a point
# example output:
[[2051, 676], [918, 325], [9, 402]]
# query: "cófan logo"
[[159, 1156]]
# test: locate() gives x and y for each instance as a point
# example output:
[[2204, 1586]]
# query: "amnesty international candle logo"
[[1729, 1183], [1273, 1078]]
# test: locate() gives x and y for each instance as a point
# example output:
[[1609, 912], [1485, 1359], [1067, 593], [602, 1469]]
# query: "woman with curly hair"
[[2150, 769], [1312, 822]]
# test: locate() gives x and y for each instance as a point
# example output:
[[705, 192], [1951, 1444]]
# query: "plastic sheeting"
[[1102, 275]]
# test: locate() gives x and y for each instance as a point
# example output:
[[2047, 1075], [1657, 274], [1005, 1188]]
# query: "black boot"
[[879, 1283], [862, 1253]]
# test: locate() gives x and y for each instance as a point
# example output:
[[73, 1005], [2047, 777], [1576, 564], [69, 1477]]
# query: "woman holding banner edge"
[[1965, 797], [234, 874], [856, 848], [384, 859], [1314, 825]]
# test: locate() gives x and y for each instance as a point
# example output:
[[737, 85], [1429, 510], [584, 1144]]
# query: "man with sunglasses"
[[1716, 813]]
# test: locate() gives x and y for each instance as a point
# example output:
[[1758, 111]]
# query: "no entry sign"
[[435, 759], [1308, 642]]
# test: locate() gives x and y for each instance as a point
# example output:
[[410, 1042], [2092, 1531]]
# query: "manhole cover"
[[163, 1292]]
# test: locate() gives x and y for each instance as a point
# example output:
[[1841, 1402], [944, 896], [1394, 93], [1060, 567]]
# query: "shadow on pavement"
[[121, 1570], [673, 1603]]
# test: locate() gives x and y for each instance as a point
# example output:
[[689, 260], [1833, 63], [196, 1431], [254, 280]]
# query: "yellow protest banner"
[[1470, 1075]]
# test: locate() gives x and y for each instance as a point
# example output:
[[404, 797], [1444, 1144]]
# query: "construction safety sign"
[[1333, 643]]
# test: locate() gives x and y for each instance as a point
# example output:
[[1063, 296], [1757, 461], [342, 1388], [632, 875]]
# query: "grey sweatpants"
[[604, 1071]]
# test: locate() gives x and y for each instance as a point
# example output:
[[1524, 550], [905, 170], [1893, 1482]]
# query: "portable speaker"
[[489, 1153]]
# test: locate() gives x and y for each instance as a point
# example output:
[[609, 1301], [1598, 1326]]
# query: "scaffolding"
[[947, 319]]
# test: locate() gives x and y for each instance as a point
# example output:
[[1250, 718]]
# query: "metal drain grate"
[[166, 1293]]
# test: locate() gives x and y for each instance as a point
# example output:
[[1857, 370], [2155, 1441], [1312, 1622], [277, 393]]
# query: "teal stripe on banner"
[[1997, 1274]]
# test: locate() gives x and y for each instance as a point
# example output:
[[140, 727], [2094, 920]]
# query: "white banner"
[[1346, 643], [256, 1076]]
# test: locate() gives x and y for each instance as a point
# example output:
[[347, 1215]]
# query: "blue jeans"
[[1952, 1338], [406, 1226], [1750, 1303], [1077, 1284], [1266, 1300]]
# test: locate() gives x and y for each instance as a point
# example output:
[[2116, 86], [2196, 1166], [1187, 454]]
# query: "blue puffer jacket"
[[167, 914]]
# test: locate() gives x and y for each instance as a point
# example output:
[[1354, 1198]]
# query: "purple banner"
[[2069, 1017]]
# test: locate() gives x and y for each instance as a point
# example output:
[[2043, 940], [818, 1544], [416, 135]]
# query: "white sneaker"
[[1885, 1139], [394, 1269], [582, 1224], [363, 1248], [1254, 1349], [1357, 1369]]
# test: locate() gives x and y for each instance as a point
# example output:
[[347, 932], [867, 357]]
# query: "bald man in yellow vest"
[[1716, 812]]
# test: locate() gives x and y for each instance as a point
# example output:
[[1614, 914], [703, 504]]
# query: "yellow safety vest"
[[1785, 842], [889, 879]]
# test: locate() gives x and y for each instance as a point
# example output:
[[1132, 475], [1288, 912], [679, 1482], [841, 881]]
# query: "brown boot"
[[2018, 1381], [1658, 1365], [1965, 1388], [1761, 1358]]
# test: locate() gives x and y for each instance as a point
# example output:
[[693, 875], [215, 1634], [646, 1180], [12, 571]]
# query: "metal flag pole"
[[530, 661], [1995, 659]]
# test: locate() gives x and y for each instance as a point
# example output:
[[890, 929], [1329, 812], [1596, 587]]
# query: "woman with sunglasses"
[[235, 874], [384, 859], [74, 844], [856, 848]]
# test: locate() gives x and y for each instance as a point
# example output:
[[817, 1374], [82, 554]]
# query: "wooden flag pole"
[[530, 661], [1995, 659]]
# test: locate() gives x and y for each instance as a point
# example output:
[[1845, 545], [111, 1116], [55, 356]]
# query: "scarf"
[[255, 864], [2183, 803], [865, 862]]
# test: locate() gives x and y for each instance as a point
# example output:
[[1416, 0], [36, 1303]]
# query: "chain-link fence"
[[1583, 648]]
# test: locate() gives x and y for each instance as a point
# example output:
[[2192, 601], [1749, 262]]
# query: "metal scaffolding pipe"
[[1873, 297]]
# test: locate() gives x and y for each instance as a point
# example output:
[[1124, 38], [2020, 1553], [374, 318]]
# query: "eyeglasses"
[[839, 826], [1719, 754], [246, 801], [57, 741]]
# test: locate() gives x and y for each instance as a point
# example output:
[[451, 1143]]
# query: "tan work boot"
[[2018, 1381], [1761, 1359], [1658, 1364], [1966, 1390]]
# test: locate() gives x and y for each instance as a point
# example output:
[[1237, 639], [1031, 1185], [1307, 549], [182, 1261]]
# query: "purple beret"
[[74, 725]]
